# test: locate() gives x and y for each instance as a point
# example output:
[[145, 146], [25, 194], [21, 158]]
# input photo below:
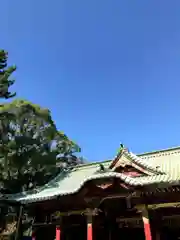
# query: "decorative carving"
[[130, 222], [92, 212]]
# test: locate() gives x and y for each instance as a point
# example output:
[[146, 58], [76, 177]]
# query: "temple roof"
[[162, 170]]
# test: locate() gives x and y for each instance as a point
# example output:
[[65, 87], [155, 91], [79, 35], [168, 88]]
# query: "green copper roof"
[[163, 166], [67, 182]]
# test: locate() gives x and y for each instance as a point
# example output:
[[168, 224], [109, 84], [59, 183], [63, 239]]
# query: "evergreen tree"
[[5, 73], [31, 147]]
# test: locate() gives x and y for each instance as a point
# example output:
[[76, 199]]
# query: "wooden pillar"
[[89, 227], [158, 235], [156, 225], [33, 235], [146, 223], [58, 233], [19, 224]]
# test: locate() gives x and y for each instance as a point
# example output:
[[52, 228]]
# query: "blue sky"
[[109, 70]]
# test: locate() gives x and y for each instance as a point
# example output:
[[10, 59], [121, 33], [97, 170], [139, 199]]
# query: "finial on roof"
[[121, 148], [121, 145], [101, 167]]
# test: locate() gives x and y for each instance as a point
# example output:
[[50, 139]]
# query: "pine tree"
[[5, 73]]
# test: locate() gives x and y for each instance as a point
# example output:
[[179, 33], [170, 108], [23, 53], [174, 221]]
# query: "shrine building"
[[129, 197]]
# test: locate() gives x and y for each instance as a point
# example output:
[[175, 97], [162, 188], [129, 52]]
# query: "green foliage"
[[31, 146], [32, 150], [5, 73]]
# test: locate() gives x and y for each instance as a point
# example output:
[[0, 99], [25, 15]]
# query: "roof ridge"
[[132, 181], [158, 151], [146, 164], [137, 154], [92, 163]]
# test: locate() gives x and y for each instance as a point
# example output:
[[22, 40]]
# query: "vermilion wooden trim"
[[58, 233], [116, 160], [122, 160], [89, 232], [146, 222], [33, 235], [89, 227]]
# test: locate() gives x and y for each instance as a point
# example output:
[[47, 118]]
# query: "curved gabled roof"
[[166, 172], [143, 163]]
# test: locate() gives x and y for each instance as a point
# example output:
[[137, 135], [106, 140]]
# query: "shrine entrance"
[[116, 221], [74, 227], [114, 233], [130, 233], [114, 228], [169, 233]]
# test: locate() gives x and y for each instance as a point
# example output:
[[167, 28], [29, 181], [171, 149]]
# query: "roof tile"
[[165, 165]]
